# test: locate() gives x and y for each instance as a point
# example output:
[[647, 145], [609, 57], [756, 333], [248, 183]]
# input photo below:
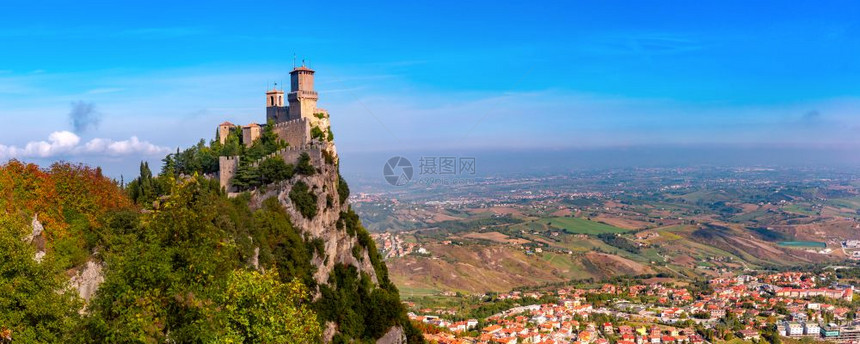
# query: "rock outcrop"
[[338, 243], [87, 280], [393, 336], [36, 238], [340, 246]]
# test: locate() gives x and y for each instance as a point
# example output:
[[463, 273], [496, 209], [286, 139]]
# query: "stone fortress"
[[299, 123]]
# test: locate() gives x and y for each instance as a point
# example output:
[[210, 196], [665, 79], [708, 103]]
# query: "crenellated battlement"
[[292, 122], [312, 149], [295, 132]]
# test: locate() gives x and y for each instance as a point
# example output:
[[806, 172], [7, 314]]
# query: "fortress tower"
[[300, 124], [275, 109], [251, 133], [224, 131], [302, 97]]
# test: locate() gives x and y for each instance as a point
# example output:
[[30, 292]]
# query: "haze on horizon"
[[604, 82]]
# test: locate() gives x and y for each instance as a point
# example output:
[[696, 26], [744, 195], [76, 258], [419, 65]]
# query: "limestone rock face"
[[338, 243], [37, 228], [88, 280], [394, 336], [36, 238], [255, 259], [329, 331]]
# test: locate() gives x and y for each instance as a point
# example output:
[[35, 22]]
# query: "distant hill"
[[511, 254]]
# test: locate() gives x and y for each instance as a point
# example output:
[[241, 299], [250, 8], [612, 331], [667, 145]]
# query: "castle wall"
[[296, 132], [291, 154], [277, 114], [227, 166]]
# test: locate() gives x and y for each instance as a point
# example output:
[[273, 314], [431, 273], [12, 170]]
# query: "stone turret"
[[227, 166], [224, 131], [302, 97], [251, 133], [276, 111]]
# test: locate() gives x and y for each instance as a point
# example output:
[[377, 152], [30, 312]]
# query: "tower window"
[[272, 100]]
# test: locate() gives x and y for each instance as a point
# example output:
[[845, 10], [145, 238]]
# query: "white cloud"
[[66, 143], [127, 147]]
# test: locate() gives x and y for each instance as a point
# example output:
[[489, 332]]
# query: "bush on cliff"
[[274, 170], [304, 166], [304, 199]]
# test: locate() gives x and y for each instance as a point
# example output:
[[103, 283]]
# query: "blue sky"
[[436, 76]]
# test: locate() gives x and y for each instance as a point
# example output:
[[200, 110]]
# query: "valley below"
[[591, 226]]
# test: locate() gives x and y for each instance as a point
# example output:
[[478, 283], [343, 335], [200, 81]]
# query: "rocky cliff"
[[343, 255], [339, 245]]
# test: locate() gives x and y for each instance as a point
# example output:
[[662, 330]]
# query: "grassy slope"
[[577, 225]]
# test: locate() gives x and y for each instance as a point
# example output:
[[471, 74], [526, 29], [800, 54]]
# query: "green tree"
[[342, 189], [36, 304], [304, 199], [260, 309], [304, 166], [247, 177], [168, 166], [162, 280], [317, 133], [275, 170], [233, 144], [143, 190]]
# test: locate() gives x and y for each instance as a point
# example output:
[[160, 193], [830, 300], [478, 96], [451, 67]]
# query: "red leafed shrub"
[[27, 189]]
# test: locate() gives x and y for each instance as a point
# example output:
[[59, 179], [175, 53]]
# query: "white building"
[[539, 319], [811, 329], [471, 323], [793, 329]]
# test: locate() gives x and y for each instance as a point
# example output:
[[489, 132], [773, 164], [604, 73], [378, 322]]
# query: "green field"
[[753, 215], [851, 203], [575, 225], [798, 209]]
